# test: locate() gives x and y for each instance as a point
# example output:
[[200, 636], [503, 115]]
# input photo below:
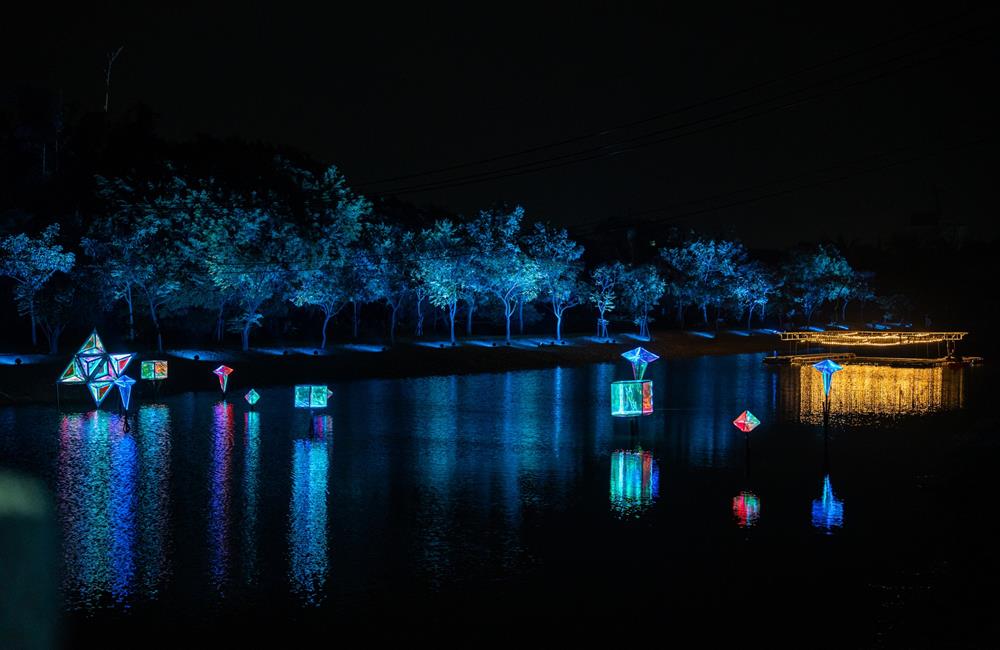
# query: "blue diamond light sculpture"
[[124, 384], [827, 367], [639, 358]]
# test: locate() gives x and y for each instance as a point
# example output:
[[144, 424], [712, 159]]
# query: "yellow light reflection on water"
[[869, 390]]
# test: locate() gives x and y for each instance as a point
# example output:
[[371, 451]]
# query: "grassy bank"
[[33, 380]]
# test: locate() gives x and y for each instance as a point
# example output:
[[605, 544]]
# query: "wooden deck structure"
[[868, 339]]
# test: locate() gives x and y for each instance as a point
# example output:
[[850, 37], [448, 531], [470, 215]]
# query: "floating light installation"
[[634, 397], [252, 397], [95, 368], [312, 397], [153, 370], [827, 367], [223, 372], [124, 384], [746, 422]]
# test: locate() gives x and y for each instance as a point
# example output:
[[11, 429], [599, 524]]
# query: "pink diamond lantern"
[[746, 422]]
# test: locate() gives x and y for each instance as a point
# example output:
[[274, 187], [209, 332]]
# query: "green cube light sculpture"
[[311, 397], [634, 397], [153, 370]]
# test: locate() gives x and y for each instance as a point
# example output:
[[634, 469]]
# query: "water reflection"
[[635, 482], [219, 496], [113, 506], [251, 481], [746, 509], [307, 525], [828, 510], [868, 390]]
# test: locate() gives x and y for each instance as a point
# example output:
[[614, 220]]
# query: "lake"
[[413, 506]]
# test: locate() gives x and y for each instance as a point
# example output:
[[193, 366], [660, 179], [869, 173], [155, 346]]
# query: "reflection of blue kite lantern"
[[634, 397], [124, 384], [311, 397], [827, 367], [827, 511]]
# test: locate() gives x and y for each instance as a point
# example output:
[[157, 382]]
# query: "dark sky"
[[384, 91]]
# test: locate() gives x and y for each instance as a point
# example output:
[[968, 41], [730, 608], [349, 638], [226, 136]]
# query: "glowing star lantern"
[[252, 397], [124, 384], [827, 368], [635, 397], [746, 422], [223, 372], [153, 370], [311, 397], [827, 511], [98, 370], [746, 509]]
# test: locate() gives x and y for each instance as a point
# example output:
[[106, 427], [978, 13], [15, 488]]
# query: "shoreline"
[[33, 381]]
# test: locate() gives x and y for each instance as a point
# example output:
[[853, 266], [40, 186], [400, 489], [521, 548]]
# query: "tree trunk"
[[704, 312], [420, 317], [520, 319], [219, 323], [355, 318], [31, 310], [559, 328], [749, 317], [246, 335], [470, 307], [326, 320], [392, 324], [131, 316], [508, 312], [156, 325], [843, 313], [452, 308]]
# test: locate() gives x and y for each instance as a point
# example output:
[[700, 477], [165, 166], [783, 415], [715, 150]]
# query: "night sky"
[[907, 94]]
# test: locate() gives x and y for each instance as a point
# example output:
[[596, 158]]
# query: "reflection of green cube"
[[153, 369], [314, 397], [633, 397]]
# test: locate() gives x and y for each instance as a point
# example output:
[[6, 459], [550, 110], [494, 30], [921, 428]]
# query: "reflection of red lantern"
[[746, 509]]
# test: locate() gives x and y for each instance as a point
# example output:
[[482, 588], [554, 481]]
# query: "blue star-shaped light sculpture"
[[827, 367], [639, 358], [634, 397], [95, 368], [124, 384], [828, 510]]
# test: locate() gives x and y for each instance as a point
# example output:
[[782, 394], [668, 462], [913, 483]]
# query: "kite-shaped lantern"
[[312, 397], [223, 372], [635, 396], [98, 370], [746, 422], [124, 384], [827, 367], [153, 370]]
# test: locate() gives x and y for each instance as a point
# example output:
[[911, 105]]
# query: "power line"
[[673, 111], [637, 142]]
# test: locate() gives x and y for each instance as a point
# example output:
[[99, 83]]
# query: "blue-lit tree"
[[703, 270], [642, 288], [816, 276], [389, 248], [752, 288], [557, 258], [605, 281], [443, 270], [31, 262], [503, 268], [316, 285]]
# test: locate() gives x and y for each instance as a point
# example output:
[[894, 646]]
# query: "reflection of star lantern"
[[100, 371]]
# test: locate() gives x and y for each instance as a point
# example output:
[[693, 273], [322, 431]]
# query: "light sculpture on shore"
[[223, 372], [124, 384], [98, 370], [746, 422], [153, 370], [634, 397], [252, 397], [311, 397], [827, 367]]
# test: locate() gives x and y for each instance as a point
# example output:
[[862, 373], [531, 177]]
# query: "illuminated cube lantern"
[[634, 397], [252, 397], [311, 397], [153, 370], [629, 398]]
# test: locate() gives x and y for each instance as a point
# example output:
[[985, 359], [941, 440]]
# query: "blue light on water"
[[307, 520], [219, 496], [828, 510]]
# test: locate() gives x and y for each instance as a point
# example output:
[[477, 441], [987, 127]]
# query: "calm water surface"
[[499, 498]]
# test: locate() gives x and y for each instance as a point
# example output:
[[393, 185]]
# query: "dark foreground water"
[[516, 501]]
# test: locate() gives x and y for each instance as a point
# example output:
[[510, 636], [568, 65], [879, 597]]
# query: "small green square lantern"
[[153, 370]]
